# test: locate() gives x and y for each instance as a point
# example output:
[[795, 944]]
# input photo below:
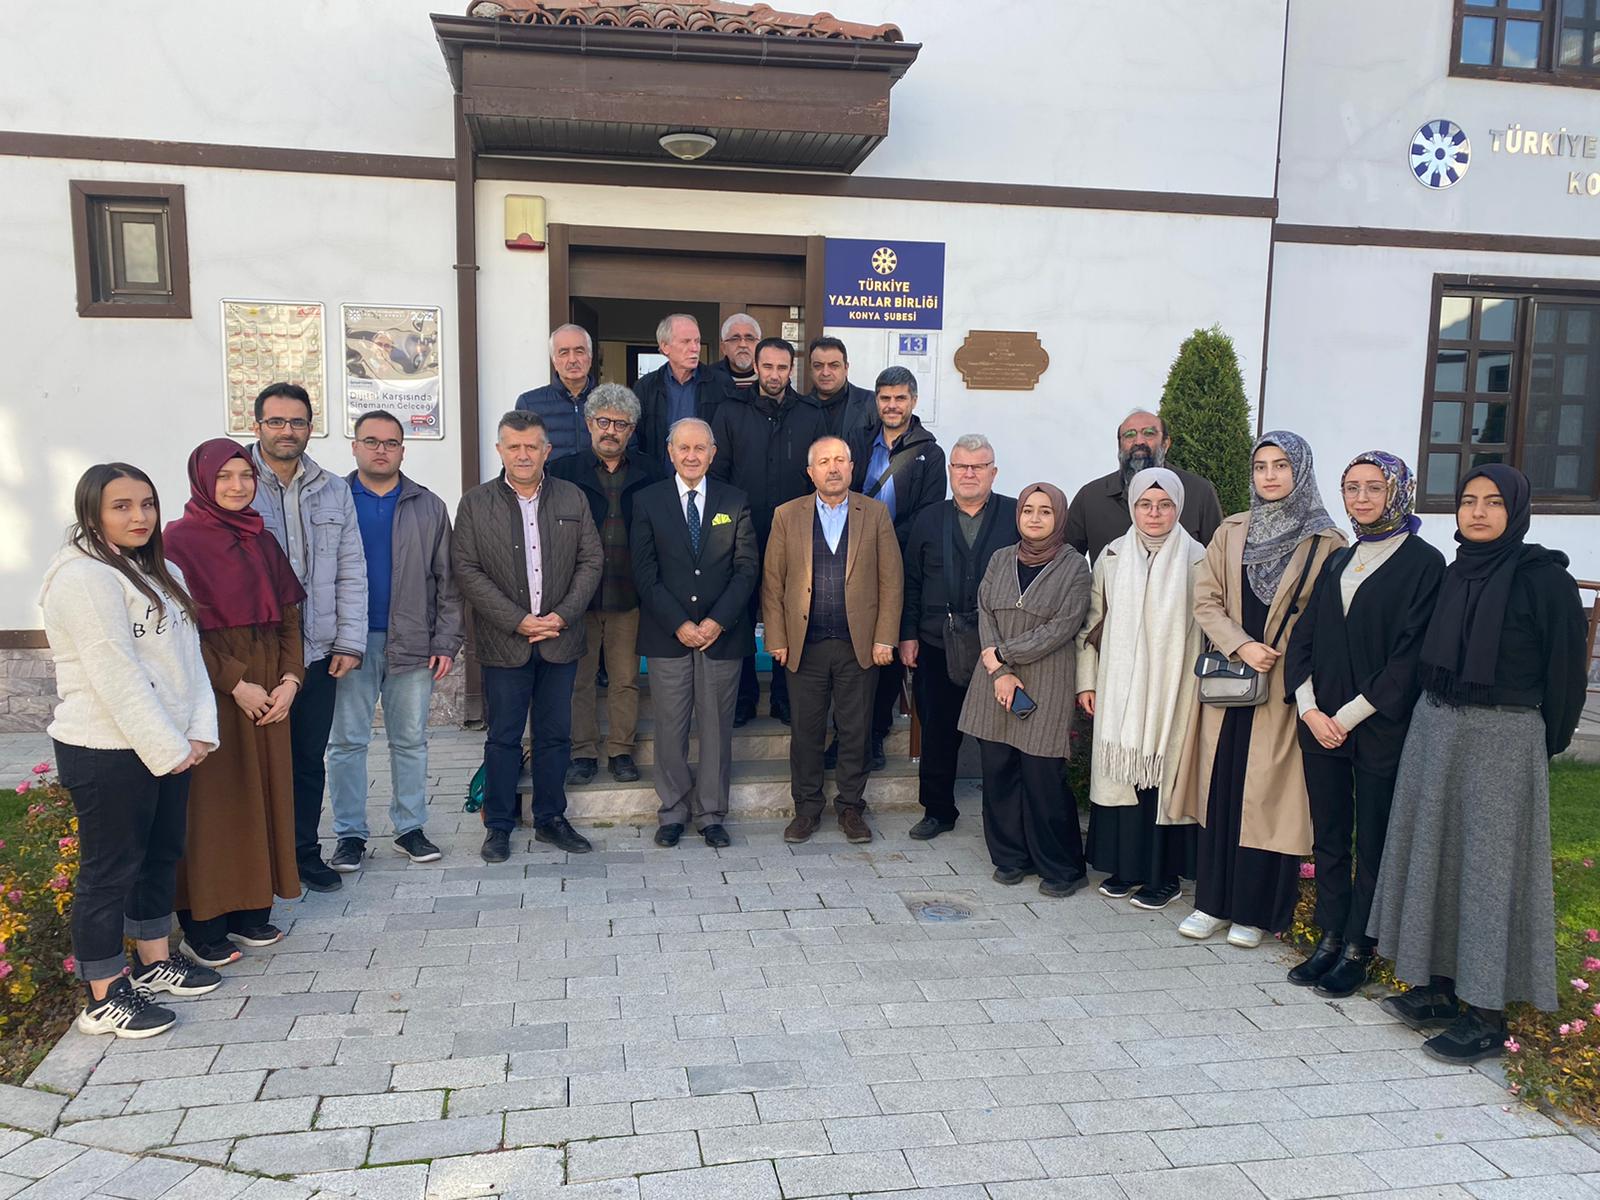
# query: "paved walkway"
[[763, 1021]]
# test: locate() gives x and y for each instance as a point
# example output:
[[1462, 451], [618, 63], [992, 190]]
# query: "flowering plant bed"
[[38, 873]]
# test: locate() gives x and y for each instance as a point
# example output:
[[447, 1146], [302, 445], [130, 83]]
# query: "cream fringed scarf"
[[1144, 647]]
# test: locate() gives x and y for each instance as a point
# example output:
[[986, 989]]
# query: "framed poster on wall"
[[272, 341], [391, 361]]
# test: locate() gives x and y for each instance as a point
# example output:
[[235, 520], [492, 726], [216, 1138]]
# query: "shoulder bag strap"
[[951, 576], [1294, 597]]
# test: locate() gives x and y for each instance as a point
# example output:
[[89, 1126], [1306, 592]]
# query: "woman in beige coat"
[[1240, 774]]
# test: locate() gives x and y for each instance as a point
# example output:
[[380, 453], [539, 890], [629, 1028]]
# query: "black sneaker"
[[623, 769], [1423, 1008], [1468, 1039], [177, 973], [256, 936], [877, 760], [348, 855], [559, 833], [1010, 876], [830, 756], [126, 1012], [219, 954], [317, 876], [1116, 888], [1056, 889], [582, 771], [929, 828], [1156, 898], [496, 846], [416, 846]]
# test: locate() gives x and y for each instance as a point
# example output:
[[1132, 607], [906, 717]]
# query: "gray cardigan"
[[1033, 632]]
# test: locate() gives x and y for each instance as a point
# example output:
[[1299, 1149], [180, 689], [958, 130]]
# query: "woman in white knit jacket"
[[136, 713]]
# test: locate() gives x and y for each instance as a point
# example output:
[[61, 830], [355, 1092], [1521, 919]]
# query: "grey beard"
[[1139, 458]]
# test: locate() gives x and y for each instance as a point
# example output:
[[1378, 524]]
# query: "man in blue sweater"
[[560, 404]]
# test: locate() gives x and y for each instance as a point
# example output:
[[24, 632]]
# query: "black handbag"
[[961, 647], [1225, 683]]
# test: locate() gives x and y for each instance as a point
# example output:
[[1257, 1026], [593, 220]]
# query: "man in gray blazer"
[[527, 559]]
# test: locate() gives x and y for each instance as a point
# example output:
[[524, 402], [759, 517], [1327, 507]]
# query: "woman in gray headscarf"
[[1240, 773], [1136, 655]]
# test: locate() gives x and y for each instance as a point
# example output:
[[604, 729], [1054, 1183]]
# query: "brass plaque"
[[1001, 360]]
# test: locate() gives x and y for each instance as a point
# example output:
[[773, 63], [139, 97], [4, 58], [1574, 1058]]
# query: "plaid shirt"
[[617, 593]]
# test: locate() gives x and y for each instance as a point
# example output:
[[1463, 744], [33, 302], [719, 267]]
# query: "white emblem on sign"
[[884, 260]]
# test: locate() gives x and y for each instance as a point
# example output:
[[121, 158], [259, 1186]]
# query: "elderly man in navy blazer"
[[694, 566]]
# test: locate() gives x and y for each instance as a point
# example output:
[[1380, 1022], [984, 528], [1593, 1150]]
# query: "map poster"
[[272, 341], [391, 361]]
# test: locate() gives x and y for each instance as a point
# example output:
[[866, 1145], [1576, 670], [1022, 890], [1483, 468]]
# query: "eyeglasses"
[[1149, 431], [1155, 506], [1376, 490], [298, 424], [389, 444], [618, 423], [971, 468]]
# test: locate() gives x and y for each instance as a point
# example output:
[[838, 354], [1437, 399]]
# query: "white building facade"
[[1105, 184]]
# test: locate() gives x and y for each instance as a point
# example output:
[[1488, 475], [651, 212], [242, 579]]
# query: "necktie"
[[694, 525]]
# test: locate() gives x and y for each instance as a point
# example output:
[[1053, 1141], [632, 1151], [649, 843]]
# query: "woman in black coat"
[[1352, 668]]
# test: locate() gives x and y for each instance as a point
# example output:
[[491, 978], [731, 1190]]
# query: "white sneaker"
[[1246, 937], [1201, 925]]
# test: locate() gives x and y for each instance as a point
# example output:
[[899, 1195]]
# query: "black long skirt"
[[1240, 884], [1126, 842]]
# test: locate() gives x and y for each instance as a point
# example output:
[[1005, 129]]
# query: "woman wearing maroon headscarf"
[[1030, 604], [240, 851]]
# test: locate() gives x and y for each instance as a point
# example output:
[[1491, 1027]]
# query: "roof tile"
[[703, 16]]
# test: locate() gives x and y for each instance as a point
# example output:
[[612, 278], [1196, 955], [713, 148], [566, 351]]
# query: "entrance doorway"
[[618, 283]]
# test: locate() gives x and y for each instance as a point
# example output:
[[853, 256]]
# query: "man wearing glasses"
[[1098, 514], [947, 551], [414, 633], [610, 477], [310, 512]]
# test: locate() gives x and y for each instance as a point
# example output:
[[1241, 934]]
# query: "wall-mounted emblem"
[[1440, 154]]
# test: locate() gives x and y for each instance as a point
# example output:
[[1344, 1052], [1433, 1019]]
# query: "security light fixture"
[[688, 146]]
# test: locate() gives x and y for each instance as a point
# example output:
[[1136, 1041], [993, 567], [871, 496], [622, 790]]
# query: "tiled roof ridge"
[[691, 16]]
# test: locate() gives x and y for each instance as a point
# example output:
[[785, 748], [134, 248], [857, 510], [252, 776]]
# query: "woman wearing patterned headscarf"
[[1463, 905], [1239, 774], [1136, 656], [1030, 605], [1352, 668]]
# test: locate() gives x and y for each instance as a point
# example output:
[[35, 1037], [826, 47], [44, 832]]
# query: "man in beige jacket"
[[830, 596]]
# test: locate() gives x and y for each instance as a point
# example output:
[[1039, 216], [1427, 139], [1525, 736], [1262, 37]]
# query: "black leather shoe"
[[622, 768], [318, 876], [1058, 888], [877, 760], [742, 715], [780, 711], [716, 837], [582, 771], [830, 756], [1010, 876], [1348, 976], [667, 836], [1321, 961], [929, 828], [559, 833], [496, 846]]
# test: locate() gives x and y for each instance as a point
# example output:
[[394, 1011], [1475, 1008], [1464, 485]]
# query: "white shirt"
[[530, 521], [699, 497]]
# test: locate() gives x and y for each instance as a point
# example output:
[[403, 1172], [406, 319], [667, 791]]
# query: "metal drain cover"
[[939, 908]]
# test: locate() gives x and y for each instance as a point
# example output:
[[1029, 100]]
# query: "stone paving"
[[763, 1021]]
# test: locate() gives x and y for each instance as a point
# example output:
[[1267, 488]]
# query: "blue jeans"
[[405, 720], [542, 690]]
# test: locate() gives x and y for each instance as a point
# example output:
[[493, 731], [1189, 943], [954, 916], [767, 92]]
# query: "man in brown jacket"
[[527, 559], [830, 596]]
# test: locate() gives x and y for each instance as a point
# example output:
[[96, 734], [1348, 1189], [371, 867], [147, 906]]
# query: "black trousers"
[[310, 721], [216, 929], [131, 830], [1030, 819], [828, 674], [886, 696], [1349, 807], [938, 708]]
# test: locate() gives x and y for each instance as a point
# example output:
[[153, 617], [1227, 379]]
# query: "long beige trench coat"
[[1277, 812]]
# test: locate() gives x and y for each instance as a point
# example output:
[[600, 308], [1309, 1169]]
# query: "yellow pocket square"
[[721, 519]]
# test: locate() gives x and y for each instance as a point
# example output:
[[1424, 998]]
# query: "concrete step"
[[762, 739]]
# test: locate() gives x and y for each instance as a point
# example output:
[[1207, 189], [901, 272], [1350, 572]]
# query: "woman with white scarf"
[[1135, 655]]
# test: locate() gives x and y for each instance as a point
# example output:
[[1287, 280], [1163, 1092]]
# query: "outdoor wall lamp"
[[688, 146]]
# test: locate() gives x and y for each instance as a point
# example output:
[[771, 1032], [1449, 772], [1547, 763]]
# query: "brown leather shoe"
[[854, 826], [801, 828]]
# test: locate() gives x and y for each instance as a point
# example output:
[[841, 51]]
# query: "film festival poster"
[[391, 361], [270, 342]]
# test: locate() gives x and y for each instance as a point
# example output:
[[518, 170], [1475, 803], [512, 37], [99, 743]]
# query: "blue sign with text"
[[873, 284]]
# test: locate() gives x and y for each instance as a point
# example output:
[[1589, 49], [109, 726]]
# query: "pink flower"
[[1591, 963], [5, 969], [1308, 870], [1591, 935], [41, 768], [1513, 1045], [1580, 985], [69, 964], [1564, 1029], [2, 947], [34, 810], [60, 883], [1579, 1025], [22, 789], [67, 843], [14, 896]]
